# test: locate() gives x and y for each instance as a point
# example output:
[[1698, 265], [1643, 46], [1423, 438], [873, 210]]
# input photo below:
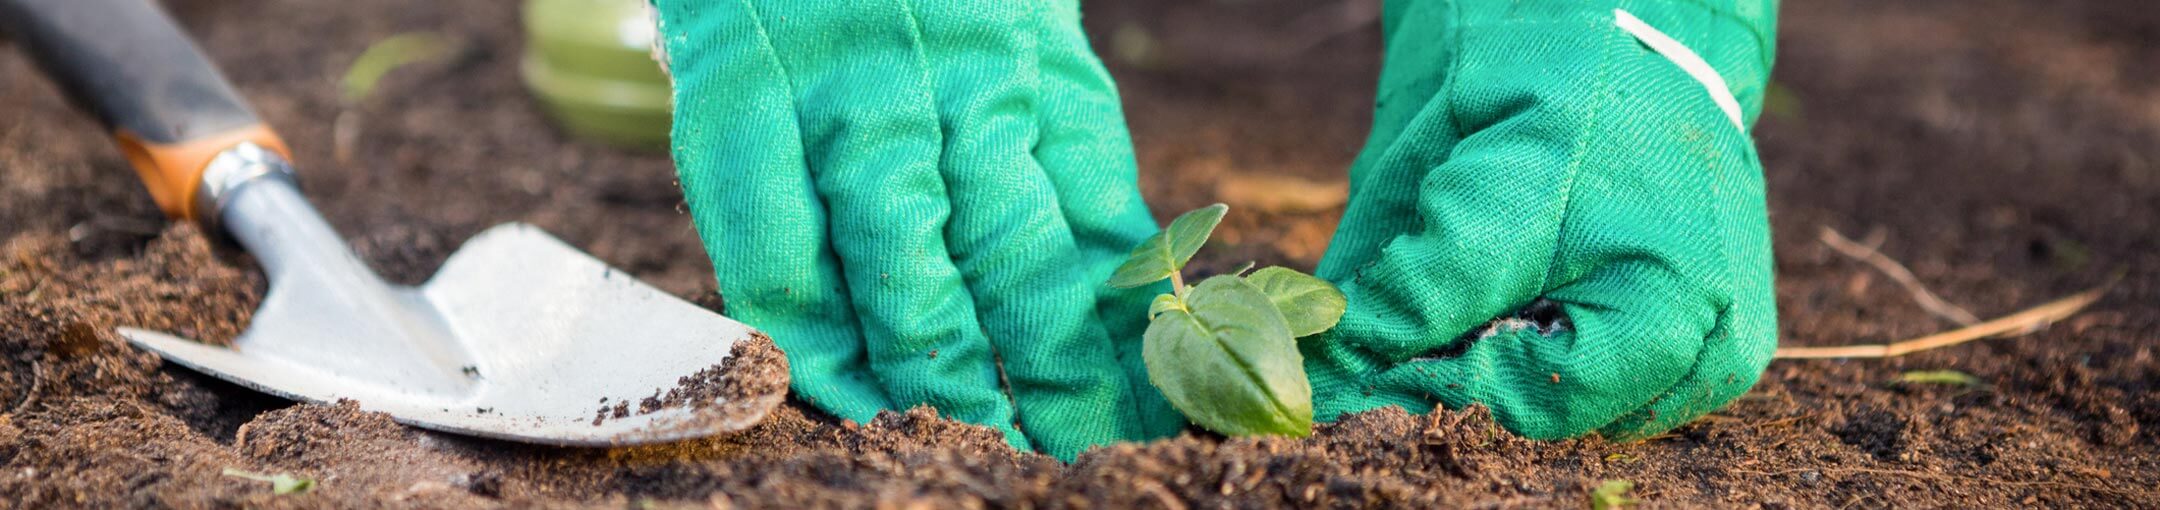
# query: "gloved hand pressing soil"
[[896, 190], [1554, 218]]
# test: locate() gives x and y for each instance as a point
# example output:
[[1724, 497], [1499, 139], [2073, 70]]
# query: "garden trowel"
[[518, 337]]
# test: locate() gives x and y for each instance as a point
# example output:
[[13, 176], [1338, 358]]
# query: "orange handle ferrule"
[[173, 171]]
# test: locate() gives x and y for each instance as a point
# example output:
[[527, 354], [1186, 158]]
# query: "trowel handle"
[[126, 62]]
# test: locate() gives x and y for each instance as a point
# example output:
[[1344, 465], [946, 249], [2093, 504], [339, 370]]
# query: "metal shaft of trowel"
[[254, 197], [258, 190]]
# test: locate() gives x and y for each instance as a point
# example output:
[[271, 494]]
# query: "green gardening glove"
[[1554, 217], [910, 196]]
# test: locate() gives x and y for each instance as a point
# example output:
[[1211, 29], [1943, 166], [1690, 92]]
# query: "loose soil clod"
[[737, 392], [754, 370]]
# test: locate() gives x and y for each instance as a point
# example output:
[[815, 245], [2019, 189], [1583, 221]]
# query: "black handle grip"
[[127, 63]]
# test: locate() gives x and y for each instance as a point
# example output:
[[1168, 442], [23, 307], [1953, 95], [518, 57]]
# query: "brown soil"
[[730, 396], [2004, 149], [753, 370]]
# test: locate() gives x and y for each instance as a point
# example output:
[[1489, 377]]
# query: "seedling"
[[281, 483], [1941, 377], [1224, 352], [386, 55], [1613, 494]]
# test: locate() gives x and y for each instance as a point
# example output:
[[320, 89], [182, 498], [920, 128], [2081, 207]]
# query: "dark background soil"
[[2004, 150]]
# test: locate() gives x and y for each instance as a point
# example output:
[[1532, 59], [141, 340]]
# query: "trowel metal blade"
[[519, 336]]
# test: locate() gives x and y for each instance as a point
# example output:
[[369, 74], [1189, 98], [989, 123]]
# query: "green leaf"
[[1612, 494], [1227, 360], [1167, 251], [1308, 303], [1164, 303], [287, 484], [281, 483], [1945, 377]]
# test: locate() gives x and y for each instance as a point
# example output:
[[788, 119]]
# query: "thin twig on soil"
[[1162, 495], [2013, 324], [37, 381], [1862, 498], [344, 135], [1875, 238], [1898, 273]]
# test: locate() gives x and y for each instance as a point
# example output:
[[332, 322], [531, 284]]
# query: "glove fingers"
[[741, 166], [1087, 153], [1412, 132], [1489, 170], [1636, 330], [871, 134], [1569, 145], [1488, 229], [1731, 363], [1008, 237]]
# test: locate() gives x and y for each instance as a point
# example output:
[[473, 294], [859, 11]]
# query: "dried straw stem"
[[1897, 272], [2013, 324]]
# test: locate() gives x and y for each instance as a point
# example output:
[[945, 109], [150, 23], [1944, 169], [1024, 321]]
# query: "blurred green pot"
[[590, 64]]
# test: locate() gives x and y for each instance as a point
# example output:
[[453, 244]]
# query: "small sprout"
[[1164, 254], [281, 483], [1612, 494], [1224, 352], [386, 55], [1943, 377]]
